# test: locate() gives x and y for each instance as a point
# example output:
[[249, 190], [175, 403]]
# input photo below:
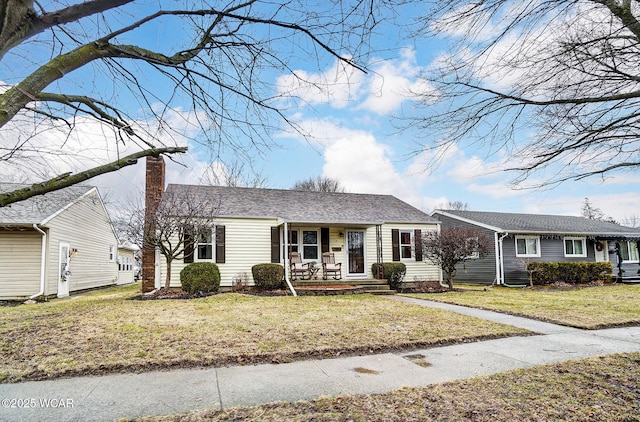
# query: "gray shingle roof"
[[38, 209], [540, 223], [305, 207]]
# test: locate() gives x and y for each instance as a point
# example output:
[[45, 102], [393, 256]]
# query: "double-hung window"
[[406, 245], [527, 246], [204, 246], [310, 243], [575, 247]]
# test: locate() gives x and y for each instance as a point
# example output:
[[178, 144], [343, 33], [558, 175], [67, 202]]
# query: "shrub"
[[200, 277], [268, 276], [570, 272], [394, 273]]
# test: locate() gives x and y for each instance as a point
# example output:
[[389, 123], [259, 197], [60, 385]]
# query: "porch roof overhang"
[[614, 237]]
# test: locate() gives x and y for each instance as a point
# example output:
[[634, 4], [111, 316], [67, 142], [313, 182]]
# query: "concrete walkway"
[[110, 397]]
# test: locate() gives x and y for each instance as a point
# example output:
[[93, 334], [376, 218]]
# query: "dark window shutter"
[[417, 240], [275, 245], [188, 245], [324, 239], [220, 245], [395, 244]]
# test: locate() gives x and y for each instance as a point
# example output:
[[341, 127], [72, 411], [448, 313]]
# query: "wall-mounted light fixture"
[[341, 234], [73, 252]]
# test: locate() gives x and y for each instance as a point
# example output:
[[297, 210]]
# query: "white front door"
[[602, 254], [355, 253], [64, 272]]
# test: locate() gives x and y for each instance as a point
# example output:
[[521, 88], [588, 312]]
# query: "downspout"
[[43, 260], [502, 265], [286, 260], [497, 245]]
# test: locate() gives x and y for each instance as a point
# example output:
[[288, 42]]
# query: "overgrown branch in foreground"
[[68, 179]]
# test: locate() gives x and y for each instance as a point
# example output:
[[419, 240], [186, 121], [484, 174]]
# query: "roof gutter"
[[43, 260]]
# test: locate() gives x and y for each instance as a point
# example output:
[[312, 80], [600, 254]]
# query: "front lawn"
[[595, 389], [104, 331], [585, 307]]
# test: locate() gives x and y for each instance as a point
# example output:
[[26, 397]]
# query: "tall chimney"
[[153, 193]]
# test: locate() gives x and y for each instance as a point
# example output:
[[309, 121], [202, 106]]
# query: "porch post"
[[286, 259]]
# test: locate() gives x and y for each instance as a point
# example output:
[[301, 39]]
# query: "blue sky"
[[354, 139]]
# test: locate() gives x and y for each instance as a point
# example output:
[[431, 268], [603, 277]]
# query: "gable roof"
[[305, 207], [41, 208], [541, 223]]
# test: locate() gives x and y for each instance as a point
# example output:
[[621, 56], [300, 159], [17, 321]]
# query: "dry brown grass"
[[596, 389], [587, 307], [105, 332]]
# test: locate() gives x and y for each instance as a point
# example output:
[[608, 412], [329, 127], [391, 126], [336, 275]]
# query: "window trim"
[[196, 248], [302, 245], [411, 244], [573, 239], [528, 255], [476, 253], [628, 244]]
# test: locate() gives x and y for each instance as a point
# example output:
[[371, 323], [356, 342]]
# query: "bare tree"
[[235, 174], [631, 221], [555, 84], [319, 184], [454, 245], [74, 63], [594, 213], [174, 227], [453, 206]]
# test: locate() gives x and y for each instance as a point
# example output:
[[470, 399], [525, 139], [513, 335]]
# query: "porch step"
[[380, 292], [371, 286]]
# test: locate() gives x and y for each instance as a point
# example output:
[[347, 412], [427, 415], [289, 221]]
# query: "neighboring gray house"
[[254, 226], [521, 238], [55, 244]]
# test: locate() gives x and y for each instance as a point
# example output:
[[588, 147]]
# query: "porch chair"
[[329, 266], [299, 268]]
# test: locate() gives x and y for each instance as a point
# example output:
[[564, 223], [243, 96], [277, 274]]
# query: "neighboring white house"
[[254, 226], [127, 263], [56, 243]]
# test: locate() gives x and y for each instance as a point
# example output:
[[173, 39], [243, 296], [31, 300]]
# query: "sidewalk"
[[111, 397]]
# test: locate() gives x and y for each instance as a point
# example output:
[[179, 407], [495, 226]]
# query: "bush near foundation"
[[394, 273], [200, 277], [569, 272], [268, 276]]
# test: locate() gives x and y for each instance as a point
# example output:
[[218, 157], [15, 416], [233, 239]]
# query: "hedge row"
[[394, 273], [570, 272]]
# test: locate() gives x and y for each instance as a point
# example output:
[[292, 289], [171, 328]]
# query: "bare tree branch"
[[68, 179]]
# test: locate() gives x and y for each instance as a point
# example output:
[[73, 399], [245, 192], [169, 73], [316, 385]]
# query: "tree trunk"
[[167, 283], [450, 280]]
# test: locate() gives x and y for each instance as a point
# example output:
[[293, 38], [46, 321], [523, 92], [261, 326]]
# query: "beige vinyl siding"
[[247, 243], [86, 227], [19, 263], [422, 270]]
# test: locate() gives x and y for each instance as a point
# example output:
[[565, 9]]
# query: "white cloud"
[[384, 89], [394, 81], [337, 85]]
